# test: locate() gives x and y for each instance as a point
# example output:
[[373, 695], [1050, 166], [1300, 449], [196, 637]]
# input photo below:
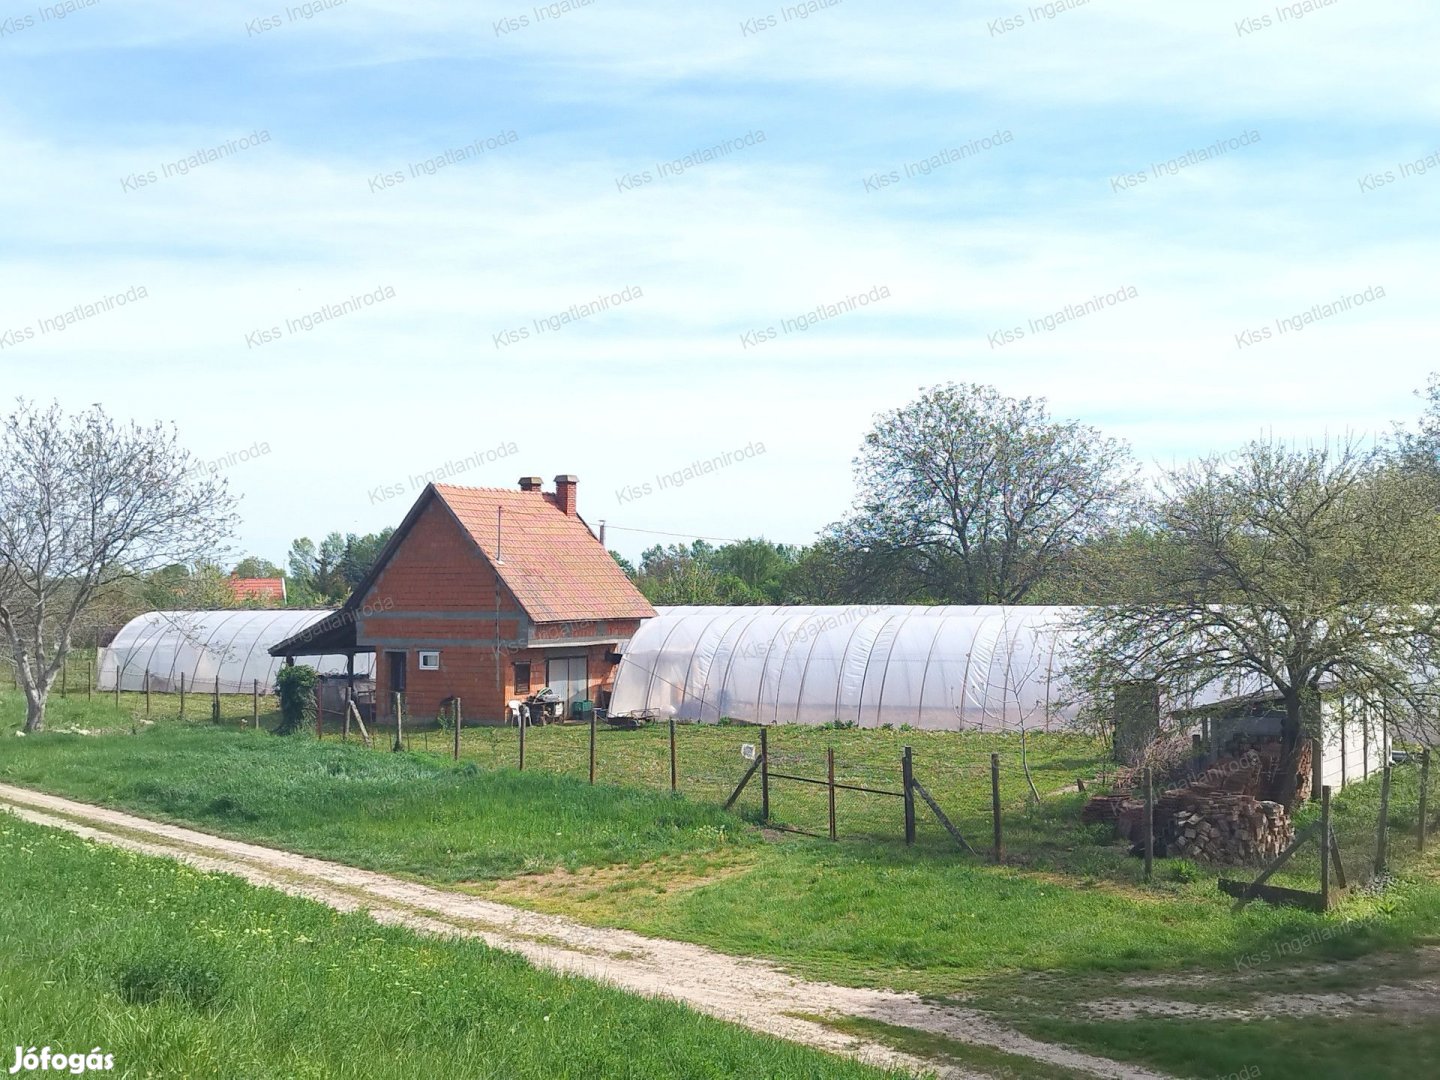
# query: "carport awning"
[[333, 634]]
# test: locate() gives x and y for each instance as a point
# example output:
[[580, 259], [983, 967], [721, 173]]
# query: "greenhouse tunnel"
[[205, 645], [936, 668]]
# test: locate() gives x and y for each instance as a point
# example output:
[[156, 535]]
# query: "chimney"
[[530, 483], [565, 493]]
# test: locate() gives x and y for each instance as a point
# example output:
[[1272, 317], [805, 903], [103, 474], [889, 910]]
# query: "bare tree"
[[1285, 571], [87, 502], [970, 497]]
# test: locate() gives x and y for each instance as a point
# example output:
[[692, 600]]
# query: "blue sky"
[[768, 232]]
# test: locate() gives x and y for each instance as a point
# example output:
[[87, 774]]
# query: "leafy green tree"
[[253, 566], [295, 688], [1284, 570], [970, 497], [360, 554], [315, 571]]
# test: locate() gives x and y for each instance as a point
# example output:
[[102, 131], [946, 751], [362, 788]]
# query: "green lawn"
[[1069, 910], [175, 972], [407, 813], [858, 912]]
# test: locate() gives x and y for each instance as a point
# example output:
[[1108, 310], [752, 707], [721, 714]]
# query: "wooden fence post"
[[523, 725], [255, 704], [459, 720], [674, 778], [1325, 848], [1149, 824], [830, 777], [215, 703], [65, 680], [345, 728], [995, 806], [89, 678], [907, 785], [117, 687], [592, 746], [319, 712], [399, 722], [1382, 831], [764, 774], [182, 695], [147, 693], [1424, 794]]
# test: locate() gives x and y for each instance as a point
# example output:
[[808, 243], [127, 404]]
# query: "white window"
[[429, 660]]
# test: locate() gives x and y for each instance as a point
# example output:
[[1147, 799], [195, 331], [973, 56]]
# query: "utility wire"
[[682, 536]]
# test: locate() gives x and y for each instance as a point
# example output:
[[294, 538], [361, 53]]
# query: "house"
[[265, 592], [486, 594]]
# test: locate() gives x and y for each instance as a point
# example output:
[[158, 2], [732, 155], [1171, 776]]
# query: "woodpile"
[[1103, 809], [1221, 827], [1222, 816], [1265, 749]]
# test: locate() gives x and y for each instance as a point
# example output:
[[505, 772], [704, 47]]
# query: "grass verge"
[[177, 972]]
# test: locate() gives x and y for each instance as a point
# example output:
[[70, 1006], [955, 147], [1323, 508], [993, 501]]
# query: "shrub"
[[1183, 871], [295, 686]]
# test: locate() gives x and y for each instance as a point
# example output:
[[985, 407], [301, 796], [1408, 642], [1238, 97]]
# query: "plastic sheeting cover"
[[203, 645], [938, 668]]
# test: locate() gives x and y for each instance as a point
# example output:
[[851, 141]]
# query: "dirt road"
[[750, 992]]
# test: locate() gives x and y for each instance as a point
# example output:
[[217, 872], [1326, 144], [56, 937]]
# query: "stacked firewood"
[[1216, 826], [1221, 816], [1265, 750], [1104, 809]]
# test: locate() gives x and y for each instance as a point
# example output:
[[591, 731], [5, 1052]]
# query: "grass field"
[[175, 972], [859, 912], [1069, 909]]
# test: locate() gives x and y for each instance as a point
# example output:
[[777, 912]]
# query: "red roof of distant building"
[[258, 588]]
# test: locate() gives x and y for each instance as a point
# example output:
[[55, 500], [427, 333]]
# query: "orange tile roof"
[[549, 561], [263, 587]]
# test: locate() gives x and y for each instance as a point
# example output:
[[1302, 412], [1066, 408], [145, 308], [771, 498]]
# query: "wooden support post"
[[830, 779], [1337, 865], [182, 695], [940, 816], [215, 703], [674, 777], [117, 687], [255, 704], [1424, 794], [523, 725], [459, 720], [147, 693], [764, 774], [1344, 751], [907, 785], [355, 711], [757, 763], [319, 712], [1365, 742], [1149, 824], [345, 724], [65, 680], [89, 678], [1382, 830], [592, 746], [399, 722], [1325, 838], [995, 807]]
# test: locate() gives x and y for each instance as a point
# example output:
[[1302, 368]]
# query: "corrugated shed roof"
[[548, 560]]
